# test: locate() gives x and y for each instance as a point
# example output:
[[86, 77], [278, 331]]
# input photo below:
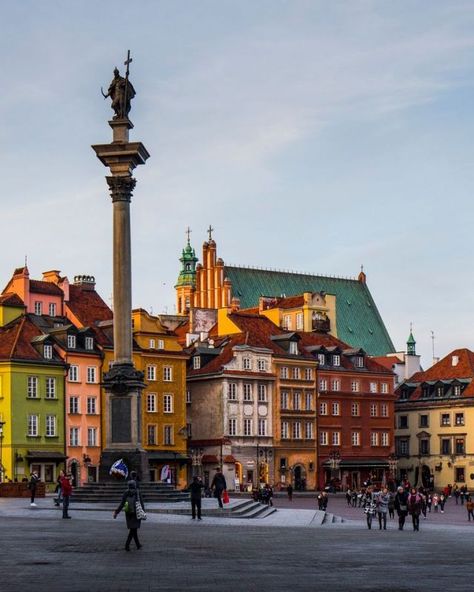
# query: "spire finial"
[[210, 230], [362, 268], [188, 233]]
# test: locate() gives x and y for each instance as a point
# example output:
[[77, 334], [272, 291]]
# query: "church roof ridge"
[[291, 271]]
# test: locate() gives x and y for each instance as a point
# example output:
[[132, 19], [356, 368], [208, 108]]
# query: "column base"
[[136, 460]]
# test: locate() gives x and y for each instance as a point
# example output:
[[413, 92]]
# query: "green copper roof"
[[187, 275], [358, 320], [411, 339]]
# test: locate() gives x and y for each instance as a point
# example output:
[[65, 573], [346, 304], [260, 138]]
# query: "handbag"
[[225, 497], [140, 512]]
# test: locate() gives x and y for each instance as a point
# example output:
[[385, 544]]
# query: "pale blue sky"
[[314, 136]]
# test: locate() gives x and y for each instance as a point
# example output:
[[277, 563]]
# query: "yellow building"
[[434, 424]]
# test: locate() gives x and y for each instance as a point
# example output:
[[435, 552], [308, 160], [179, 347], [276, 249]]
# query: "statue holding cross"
[[121, 92]]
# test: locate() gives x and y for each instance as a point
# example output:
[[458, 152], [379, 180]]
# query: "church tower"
[[186, 283], [412, 361], [411, 345]]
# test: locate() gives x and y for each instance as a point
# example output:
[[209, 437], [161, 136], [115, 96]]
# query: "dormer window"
[[52, 309], [359, 361], [48, 352], [336, 360], [152, 344], [321, 359], [246, 363], [196, 362], [457, 390], [293, 348], [89, 343], [71, 341], [439, 391]]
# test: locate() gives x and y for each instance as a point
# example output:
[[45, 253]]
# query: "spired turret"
[[411, 345], [186, 284]]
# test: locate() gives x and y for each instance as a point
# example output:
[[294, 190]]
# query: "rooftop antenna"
[[433, 343]]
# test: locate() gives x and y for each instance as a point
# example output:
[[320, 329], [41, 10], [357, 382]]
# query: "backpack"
[[130, 504]]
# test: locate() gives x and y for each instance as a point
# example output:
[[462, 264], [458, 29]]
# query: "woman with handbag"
[[401, 505], [132, 505]]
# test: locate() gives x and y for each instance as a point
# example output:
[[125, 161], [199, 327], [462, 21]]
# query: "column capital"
[[121, 187]]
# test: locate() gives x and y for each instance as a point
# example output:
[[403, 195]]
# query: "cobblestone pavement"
[[41, 551]]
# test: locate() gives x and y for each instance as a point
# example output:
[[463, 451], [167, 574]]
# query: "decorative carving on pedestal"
[[122, 378], [121, 188]]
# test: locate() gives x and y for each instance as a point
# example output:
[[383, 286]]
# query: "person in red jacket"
[[66, 489]]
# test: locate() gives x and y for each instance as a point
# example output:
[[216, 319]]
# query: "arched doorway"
[[299, 475], [426, 479]]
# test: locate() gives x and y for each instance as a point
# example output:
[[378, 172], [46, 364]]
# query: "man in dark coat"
[[195, 490], [219, 485], [129, 500], [401, 506], [34, 480]]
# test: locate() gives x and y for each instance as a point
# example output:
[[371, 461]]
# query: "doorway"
[[299, 474]]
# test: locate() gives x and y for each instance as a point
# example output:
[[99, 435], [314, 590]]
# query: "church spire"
[[411, 343], [187, 277]]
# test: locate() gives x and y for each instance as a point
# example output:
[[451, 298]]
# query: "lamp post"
[[196, 460], [392, 465], [2, 423]]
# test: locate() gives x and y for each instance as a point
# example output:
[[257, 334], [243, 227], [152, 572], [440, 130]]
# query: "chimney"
[[52, 276], [235, 304], [86, 282]]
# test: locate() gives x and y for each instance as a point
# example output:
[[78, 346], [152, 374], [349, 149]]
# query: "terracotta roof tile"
[[16, 340], [387, 361], [11, 299], [40, 287]]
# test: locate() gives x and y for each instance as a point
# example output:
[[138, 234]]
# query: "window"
[[50, 426], [359, 362], [323, 408], [73, 374], [262, 393], [232, 427], [355, 386], [373, 410], [446, 446], [283, 372], [336, 439], [355, 409], [188, 397], [232, 391], [335, 385], [161, 344], [335, 409], [373, 387], [402, 447], [71, 341], [424, 423], [321, 359], [91, 436], [32, 387], [355, 438], [323, 438], [48, 352], [284, 400], [151, 344], [385, 439], [459, 472], [439, 391], [425, 392], [91, 374], [262, 365], [424, 446], [459, 419], [52, 309], [294, 352], [262, 427], [247, 427], [374, 439], [151, 403], [168, 374], [296, 401], [460, 449], [297, 430], [403, 422], [247, 364], [309, 401], [284, 430], [74, 437], [89, 343], [33, 421], [91, 405], [151, 372], [384, 410], [308, 430], [299, 321], [384, 388], [308, 374], [151, 435], [457, 390], [73, 405], [445, 419], [196, 362], [286, 322], [168, 403], [296, 373], [168, 435], [336, 360], [247, 392], [38, 308], [323, 384], [50, 388]]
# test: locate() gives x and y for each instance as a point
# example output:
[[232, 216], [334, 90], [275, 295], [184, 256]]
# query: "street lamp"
[[196, 460], [2, 423], [393, 464]]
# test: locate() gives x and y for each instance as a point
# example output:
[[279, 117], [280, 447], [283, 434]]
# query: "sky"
[[313, 135]]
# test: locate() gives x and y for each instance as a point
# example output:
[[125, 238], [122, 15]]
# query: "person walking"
[[429, 501], [129, 501], [195, 489], [414, 508], [435, 502], [348, 497], [382, 501], [268, 494], [370, 507], [59, 497], [219, 485], [32, 485], [391, 505], [442, 501], [401, 506], [456, 494], [66, 492], [320, 500], [289, 491], [325, 500], [470, 508], [463, 494]]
